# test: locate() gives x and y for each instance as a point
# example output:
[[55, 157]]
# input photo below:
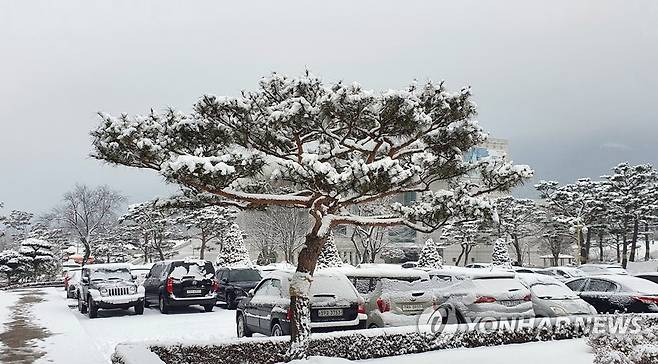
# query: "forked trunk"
[[517, 248], [300, 303]]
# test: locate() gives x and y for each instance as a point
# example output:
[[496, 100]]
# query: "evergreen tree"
[[329, 257], [500, 256], [12, 263], [233, 251], [38, 255], [430, 256]]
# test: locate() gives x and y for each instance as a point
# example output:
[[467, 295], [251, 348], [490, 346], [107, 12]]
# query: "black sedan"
[[335, 305], [617, 293]]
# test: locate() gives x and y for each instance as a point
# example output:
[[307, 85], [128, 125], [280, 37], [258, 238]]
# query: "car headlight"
[[559, 311], [132, 289], [104, 291]]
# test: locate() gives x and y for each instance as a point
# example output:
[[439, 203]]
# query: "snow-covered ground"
[[77, 339]]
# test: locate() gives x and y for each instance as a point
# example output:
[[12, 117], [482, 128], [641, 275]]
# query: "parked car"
[[551, 297], [484, 294], [411, 264], [72, 281], [108, 286], [335, 305], [235, 283], [177, 283], [617, 293], [366, 277], [398, 303], [565, 273], [479, 265], [139, 272], [598, 269], [651, 276]]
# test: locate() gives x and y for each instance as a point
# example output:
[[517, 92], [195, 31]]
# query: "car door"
[[273, 296], [600, 293], [222, 278], [150, 283], [252, 310]]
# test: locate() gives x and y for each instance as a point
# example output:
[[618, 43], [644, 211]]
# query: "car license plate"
[[511, 303], [330, 313], [412, 307], [193, 291]]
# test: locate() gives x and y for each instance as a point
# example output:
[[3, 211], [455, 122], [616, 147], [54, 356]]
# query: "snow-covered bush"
[[233, 251], [38, 255], [329, 257], [12, 263], [627, 348], [500, 255], [430, 256], [393, 255]]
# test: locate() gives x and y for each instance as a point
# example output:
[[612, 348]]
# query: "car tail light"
[[215, 285], [170, 285], [527, 298], [647, 300], [485, 299], [289, 314], [361, 309], [383, 306]]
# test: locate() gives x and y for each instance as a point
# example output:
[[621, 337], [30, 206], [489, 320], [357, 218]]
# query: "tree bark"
[[647, 242], [600, 246], [461, 254], [624, 252], [299, 296], [202, 248], [636, 230], [517, 248], [587, 246]]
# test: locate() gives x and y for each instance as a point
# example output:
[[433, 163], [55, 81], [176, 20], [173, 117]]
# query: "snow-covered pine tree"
[[233, 252], [329, 257], [38, 256], [500, 255], [337, 145], [156, 227], [12, 263], [206, 223], [430, 257]]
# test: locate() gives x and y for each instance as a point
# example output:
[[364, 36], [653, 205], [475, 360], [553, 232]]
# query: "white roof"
[[561, 256], [108, 266]]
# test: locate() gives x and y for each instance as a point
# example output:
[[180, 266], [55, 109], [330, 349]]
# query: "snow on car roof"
[[533, 278], [651, 274], [108, 266], [634, 283], [473, 273], [377, 271]]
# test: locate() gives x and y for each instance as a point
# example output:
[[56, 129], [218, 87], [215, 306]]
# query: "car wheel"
[[243, 330], [208, 308], [81, 306], [373, 326], [162, 305], [276, 330], [92, 308], [139, 308], [69, 294], [146, 303]]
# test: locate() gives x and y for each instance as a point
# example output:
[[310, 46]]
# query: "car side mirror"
[[251, 292], [134, 276], [85, 280], [224, 280]]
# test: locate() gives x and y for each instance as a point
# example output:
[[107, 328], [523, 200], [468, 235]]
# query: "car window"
[[193, 269], [263, 288], [577, 285], [362, 285], [155, 270], [276, 289], [244, 275], [599, 285]]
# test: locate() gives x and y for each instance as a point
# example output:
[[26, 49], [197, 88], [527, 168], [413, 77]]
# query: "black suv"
[[235, 283], [335, 305], [175, 283], [108, 286]]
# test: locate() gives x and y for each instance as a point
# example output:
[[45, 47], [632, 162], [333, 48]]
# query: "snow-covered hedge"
[[57, 283], [628, 348], [352, 345]]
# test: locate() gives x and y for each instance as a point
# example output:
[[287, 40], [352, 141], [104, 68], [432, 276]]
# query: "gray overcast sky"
[[572, 84]]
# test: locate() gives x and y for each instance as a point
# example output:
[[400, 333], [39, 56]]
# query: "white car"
[[398, 303], [598, 269], [551, 298]]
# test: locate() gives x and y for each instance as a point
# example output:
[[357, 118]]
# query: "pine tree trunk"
[[202, 248], [587, 246], [636, 231], [618, 248], [517, 247], [647, 242], [299, 296], [461, 254], [600, 246], [624, 252]]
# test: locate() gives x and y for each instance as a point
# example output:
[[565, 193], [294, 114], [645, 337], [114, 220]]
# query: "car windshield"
[[333, 286], [552, 291], [107, 274], [195, 270], [244, 275]]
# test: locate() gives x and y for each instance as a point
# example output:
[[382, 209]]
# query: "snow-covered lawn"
[[77, 339]]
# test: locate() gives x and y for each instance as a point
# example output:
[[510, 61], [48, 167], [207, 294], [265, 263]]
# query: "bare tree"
[[280, 229], [85, 212]]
